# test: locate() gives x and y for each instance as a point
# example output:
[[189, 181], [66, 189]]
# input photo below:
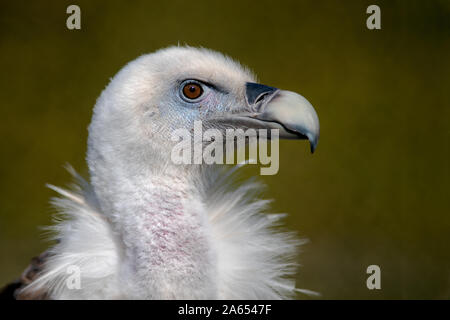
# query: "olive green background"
[[375, 192]]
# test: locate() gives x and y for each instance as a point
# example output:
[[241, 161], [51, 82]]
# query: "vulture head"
[[146, 228], [171, 89]]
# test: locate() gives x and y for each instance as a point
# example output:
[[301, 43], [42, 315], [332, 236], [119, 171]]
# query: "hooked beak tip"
[[313, 141], [295, 114]]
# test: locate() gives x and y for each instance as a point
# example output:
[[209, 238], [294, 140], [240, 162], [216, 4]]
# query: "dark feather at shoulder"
[[12, 291]]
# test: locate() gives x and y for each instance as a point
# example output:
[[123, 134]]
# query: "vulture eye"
[[192, 90]]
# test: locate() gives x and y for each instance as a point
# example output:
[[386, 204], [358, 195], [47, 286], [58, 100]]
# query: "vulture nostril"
[[262, 97], [256, 92]]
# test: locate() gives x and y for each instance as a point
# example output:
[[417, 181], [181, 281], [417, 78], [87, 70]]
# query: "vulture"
[[143, 227]]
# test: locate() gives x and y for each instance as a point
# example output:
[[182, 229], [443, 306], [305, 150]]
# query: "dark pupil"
[[192, 89]]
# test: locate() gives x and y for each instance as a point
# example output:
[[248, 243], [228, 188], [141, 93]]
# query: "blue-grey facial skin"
[[183, 112]]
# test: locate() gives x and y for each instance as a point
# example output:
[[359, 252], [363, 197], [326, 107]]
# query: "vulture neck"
[[162, 227]]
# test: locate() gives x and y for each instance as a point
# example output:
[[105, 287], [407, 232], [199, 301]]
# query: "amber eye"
[[192, 90]]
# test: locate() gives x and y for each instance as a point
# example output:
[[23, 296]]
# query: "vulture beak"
[[286, 110], [272, 108]]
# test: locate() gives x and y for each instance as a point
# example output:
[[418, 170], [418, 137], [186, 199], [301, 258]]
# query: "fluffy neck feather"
[[248, 259]]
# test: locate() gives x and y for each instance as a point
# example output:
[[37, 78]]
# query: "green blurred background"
[[375, 192]]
